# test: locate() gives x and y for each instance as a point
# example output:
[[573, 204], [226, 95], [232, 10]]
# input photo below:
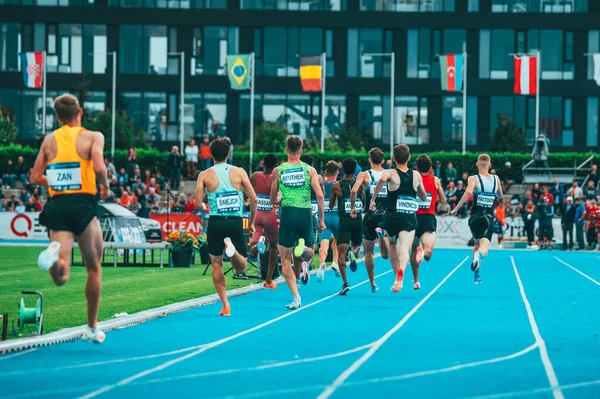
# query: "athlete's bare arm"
[[275, 186], [385, 177], [97, 153], [37, 174], [251, 194], [441, 195], [253, 178], [499, 193], [360, 181], [421, 193], [316, 183], [470, 188], [335, 189], [199, 202]]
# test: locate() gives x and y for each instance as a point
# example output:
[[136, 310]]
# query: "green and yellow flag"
[[238, 70]]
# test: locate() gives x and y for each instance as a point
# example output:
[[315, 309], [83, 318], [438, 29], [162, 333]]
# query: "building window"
[[408, 5], [94, 103], [210, 48], [372, 120], [278, 49], [361, 42], [411, 120], [424, 47], [204, 115], [473, 5], [545, 6], [593, 48], [10, 45], [591, 137], [294, 5], [452, 120], [145, 50], [183, 4], [495, 47]]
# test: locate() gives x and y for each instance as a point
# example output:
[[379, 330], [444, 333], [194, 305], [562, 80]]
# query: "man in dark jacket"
[[567, 222], [545, 213], [175, 163]]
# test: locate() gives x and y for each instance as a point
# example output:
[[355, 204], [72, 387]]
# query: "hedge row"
[[151, 158]]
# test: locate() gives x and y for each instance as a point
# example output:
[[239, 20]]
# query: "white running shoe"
[[321, 273], [295, 305], [229, 247], [93, 335], [336, 269], [49, 256], [261, 245]]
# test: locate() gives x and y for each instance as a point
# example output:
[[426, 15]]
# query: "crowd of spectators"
[[29, 198]]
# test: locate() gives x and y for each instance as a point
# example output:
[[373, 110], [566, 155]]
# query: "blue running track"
[[530, 330]]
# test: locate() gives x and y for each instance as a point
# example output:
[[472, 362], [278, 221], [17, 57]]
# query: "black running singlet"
[[344, 205], [404, 199], [483, 201]]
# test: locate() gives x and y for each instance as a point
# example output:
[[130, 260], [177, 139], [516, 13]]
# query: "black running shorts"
[[394, 223], [482, 227], [350, 231], [426, 223], [295, 223], [69, 212], [371, 221], [221, 227]]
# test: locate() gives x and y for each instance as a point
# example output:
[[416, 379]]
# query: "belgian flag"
[[310, 73]]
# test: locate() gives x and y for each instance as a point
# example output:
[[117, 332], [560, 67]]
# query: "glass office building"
[[148, 35]]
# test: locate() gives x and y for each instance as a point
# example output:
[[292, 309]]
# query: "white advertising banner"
[[22, 227]]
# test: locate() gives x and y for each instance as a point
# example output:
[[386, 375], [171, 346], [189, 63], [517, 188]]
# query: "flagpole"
[[323, 81], [392, 93], [537, 93], [182, 100], [251, 110], [43, 93], [464, 125], [114, 105]]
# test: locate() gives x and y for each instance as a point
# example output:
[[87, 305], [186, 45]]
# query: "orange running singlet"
[[68, 173]]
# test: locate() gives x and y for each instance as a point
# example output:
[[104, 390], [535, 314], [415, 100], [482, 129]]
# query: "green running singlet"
[[294, 184]]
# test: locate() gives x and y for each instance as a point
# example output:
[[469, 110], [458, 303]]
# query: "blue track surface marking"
[[529, 330]]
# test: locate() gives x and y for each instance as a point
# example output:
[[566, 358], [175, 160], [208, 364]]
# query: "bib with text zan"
[[64, 176]]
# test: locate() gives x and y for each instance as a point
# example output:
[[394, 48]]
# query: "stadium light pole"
[[392, 56], [181, 54]]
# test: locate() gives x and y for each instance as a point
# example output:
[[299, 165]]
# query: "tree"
[[125, 134], [270, 137], [508, 136], [8, 130]]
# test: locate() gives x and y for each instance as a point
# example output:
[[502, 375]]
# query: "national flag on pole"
[[238, 71], [32, 65], [525, 75], [451, 66], [597, 68], [310, 73]]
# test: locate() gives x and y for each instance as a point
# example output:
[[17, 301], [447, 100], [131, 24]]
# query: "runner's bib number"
[[486, 200], [382, 193], [228, 201], [406, 205], [327, 209], [425, 204], [293, 177], [264, 203], [348, 206], [64, 176]]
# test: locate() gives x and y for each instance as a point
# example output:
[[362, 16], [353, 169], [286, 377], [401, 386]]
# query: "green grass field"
[[124, 289]]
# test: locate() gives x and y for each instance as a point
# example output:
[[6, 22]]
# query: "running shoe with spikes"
[[345, 289], [304, 273], [321, 273], [380, 232], [229, 247], [419, 254], [93, 335], [49, 256], [299, 249], [295, 305], [336, 269], [416, 285], [225, 311], [374, 288], [399, 281], [352, 258], [271, 286], [476, 277], [261, 245], [476, 264]]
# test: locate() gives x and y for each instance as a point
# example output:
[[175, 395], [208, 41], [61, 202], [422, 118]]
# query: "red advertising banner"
[[188, 222]]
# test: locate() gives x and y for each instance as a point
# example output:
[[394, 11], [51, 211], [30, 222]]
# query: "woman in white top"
[[191, 158]]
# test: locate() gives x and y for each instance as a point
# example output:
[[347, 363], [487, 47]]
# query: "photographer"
[[540, 152], [545, 213]]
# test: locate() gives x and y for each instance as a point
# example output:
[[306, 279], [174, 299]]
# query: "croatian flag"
[[525, 75], [32, 65]]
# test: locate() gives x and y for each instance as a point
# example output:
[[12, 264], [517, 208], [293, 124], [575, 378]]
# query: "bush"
[[125, 134], [270, 137], [508, 137], [8, 130]]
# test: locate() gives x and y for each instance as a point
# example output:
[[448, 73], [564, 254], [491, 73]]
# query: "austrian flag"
[[32, 65], [526, 75]]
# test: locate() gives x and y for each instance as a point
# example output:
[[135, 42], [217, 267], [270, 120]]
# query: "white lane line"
[[538, 338], [537, 390], [377, 344], [17, 354], [578, 271], [212, 345]]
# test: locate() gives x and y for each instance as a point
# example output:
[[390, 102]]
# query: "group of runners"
[[292, 210]]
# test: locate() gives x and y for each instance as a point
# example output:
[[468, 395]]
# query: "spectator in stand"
[[508, 176], [109, 166], [136, 173], [37, 202], [591, 191], [594, 175], [191, 158], [14, 202], [450, 174], [3, 206], [154, 185], [135, 205], [437, 171], [179, 205], [205, 155], [174, 163], [21, 170], [141, 197], [8, 175], [465, 177], [24, 196], [579, 222], [20, 208], [138, 185], [162, 209], [161, 181], [460, 191], [451, 196], [558, 191], [131, 164], [388, 165], [517, 211], [153, 199], [6, 207], [31, 206], [536, 191], [591, 216], [529, 218], [545, 214], [546, 194], [122, 177], [567, 221], [261, 166], [147, 177], [189, 205], [575, 191], [1, 193], [144, 211], [500, 222], [125, 200]]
